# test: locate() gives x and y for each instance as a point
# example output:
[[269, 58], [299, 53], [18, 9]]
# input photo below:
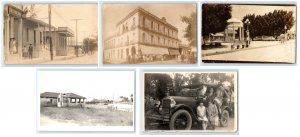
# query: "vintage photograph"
[[190, 101], [50, 34], [86, 100], [253, 33], [149, 33]]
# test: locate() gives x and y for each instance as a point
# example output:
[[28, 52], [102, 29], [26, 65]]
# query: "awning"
[[173, 51], [148, 50]]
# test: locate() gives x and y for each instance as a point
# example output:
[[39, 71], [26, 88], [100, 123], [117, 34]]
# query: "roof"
[[72, 95], [139, 9], [55, 95], [39, 22], [234, 20], [49, 95]]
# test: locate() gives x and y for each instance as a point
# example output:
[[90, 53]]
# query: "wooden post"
[[6, 31], [50, 33]]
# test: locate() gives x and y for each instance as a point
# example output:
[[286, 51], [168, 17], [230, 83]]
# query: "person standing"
[[212, 114], [30, 50], [201, 114]]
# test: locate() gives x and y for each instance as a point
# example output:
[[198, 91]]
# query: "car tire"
[[224, 118], [187, 123]]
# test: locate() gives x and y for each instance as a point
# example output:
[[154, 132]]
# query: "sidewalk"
[[254, 45], [43, 57]]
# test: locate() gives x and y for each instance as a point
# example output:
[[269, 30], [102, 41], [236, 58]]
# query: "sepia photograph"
[[190, 101], [86, 100], [249, 33], [50, 34], [149, 33]]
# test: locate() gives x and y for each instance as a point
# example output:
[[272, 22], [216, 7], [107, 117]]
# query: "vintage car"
[[179, 112]]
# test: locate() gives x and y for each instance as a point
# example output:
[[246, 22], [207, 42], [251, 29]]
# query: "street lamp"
[[247, 22]]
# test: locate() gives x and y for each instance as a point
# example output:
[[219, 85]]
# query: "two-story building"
[[141, 33]]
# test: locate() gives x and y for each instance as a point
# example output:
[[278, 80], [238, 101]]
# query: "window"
[[78, 100], [158, 40], [133, 21], [27, 34], [144, 37], [82, 100], [144, 21], [58, 100], [152, 39], [152, 25], [158, 26], [73, 100], [164, 42]]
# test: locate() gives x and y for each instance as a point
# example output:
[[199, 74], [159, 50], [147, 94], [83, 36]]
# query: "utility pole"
[[50, 32], [76, 47]]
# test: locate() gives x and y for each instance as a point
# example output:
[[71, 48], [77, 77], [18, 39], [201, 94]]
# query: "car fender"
[[185, 107]]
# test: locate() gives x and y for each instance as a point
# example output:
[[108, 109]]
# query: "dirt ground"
[[195, 127], [88, 116]]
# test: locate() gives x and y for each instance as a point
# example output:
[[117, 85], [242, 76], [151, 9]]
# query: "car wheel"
[[181, 120], [224, 118]]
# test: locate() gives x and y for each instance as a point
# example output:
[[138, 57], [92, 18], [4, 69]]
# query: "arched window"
[[152, 25], [158, 40], [152, 39], [144, 21], [143, 37]]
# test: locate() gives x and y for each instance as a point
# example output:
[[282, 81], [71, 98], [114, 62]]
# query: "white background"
[[269, 99]]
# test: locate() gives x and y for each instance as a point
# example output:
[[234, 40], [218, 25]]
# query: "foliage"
[[270, 24], [214, 17], [156, 84], [90, 45], [191, 29]]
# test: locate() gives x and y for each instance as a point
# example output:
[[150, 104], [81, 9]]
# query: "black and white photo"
[[149, 33], [190, 101], [86, 100], [248, 33], [50, 33]]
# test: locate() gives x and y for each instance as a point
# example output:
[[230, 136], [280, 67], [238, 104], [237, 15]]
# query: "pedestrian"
[[24, 52], [30, 51], [201, 114], [212, 114]]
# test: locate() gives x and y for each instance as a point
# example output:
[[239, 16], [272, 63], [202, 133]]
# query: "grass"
[[91, 115]]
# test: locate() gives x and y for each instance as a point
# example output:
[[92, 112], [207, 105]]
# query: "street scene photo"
[[149, 33], [50, 34], [254, 33], [86, 100], [190, 101]]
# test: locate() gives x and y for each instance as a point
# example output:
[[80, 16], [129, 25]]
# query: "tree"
[[270, 24], [90, 45], [30, 11], [191, 29], [214, 18], [156, 84]]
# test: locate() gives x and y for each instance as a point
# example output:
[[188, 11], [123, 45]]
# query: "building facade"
[[48, 99], [26, 31], [141, 33]]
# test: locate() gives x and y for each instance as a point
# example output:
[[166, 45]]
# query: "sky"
[[239, 11], [90, 84], [113, 13], [63, 13]]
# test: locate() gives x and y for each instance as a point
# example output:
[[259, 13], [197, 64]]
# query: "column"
[[6, 32], [20, 38]]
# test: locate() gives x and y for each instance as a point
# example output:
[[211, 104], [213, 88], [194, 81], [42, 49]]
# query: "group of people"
[[27, 51], [209, 116]]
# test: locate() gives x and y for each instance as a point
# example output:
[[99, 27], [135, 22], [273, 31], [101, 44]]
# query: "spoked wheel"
[[181, 120], [224, 118]]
